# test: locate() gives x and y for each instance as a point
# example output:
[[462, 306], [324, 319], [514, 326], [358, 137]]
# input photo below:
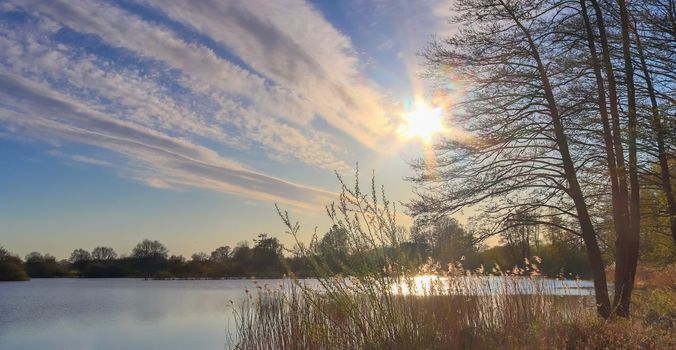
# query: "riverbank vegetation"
[[445, 242], [11, 267], [292, 317], [378, 301]]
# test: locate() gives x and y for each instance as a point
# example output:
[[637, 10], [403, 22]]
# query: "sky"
[[186, 121]]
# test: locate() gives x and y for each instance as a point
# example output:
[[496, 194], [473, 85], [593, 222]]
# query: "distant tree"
[[334, 248], [419, 239], [414, 249], [267, 256], [198, 266], [447, 240], [151, 256], [519, 234], [150, 249], [176, 265], [11, 268], [221, 254], [201, 257], [103, 254], [177, 259], [563, 254], [42, 266], [241, 257], [34, 257], [79, 258], [300, 264], [4, 254]]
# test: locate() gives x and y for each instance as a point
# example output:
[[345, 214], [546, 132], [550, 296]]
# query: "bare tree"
[[104, 254], [552, 117], [148, 249], [80, 258], [221, 254], [654, 29]]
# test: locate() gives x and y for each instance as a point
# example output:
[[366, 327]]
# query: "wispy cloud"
[[291, 44], [251, 77], [80, 158], [44, 114]]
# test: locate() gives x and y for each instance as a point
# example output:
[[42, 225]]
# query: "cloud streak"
[[177, 161], [291, 44], [93, 73]]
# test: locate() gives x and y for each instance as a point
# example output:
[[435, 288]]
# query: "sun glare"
[[422, 122], [420, 285]]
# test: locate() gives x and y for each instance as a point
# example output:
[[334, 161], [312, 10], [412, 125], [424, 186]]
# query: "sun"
[[422, 122]]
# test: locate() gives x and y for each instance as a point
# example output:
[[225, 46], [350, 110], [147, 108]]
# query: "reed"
[[382, 303]]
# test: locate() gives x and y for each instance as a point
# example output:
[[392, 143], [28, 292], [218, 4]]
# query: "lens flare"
[[422, 122]]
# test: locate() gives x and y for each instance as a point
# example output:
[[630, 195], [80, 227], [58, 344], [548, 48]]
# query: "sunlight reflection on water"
[[484, 285]]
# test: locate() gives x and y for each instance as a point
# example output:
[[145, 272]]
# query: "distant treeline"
[[446, 242]]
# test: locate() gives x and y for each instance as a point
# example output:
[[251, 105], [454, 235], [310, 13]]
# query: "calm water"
[[136, 314], [117, 313]]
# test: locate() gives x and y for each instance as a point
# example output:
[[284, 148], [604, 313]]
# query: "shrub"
[[11, 267]]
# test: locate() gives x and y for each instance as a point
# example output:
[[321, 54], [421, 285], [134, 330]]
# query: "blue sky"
[[184, 121]]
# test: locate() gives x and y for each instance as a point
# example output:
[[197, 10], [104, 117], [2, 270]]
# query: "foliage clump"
[[11, 267]]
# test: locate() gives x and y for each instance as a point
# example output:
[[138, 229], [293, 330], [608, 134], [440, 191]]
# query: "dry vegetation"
[[445, 317], [382, 304]]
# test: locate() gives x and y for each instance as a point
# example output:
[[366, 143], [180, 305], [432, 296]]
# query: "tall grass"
[[296, 317], [382, 303]]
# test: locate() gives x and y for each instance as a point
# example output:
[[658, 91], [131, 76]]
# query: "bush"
[[11, 269]]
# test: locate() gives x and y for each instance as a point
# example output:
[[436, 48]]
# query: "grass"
[[295, 316], [381, 303]]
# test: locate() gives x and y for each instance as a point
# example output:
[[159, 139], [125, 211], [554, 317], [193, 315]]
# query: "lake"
[[117, 313], [130, 314]]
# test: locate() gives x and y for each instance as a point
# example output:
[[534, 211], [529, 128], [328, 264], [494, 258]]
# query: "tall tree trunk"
[[574, 188], [586, 226], [621, 204], [627, 243], [614, 112], [617, 199], [656, 122]]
